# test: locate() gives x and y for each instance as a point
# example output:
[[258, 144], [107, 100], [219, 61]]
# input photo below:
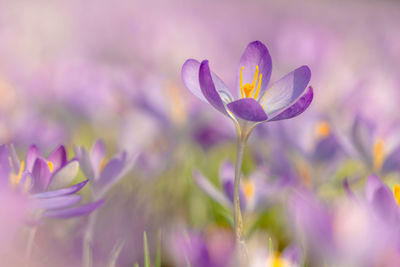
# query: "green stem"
[[238, 224], [88, 241], [29, 246]]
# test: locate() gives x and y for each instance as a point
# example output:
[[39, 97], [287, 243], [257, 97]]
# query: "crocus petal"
[[58, 157], [31, 155], [362, 138], [297, 108], [392, 162], [16, 163], [190, 77], [256, 54], [227, 179], [57, 202], [97, 154], [372, 185], [284, 92], [110, 174], [75, 211], [326, 149], [5, 167], [41, 174], [61, 192], [293, 254], [384, 205], [86, 164], [211, 190], [64, 176], [226, 172], [207, 86], [248, 109]]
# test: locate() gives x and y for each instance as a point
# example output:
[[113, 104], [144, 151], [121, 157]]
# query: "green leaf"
[[146, 251], [158, 254]]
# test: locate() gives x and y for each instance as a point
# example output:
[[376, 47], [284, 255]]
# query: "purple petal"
[[256, 54], [5, 167], [293, 254], [297, 108], [16, 164], [227, 179], [384, 205], [86, 164], [392, 162], [110, 174], [210, 189], [287, 90], [362, 137], [64, 176], [226, 172], [75, 211], [97, 154], [61, 192], [31, 155], [190, 77], [58, 202], [372, 185], [326, 149], [248, 109], [208, 87], [381, 199], [58, 157], [41, 174]]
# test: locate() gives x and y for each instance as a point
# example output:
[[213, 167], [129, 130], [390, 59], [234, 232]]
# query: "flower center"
[[323, 129], [247, 90], [248, 187], [102, 164], [379, 150], [15, 179], [396, 193], [51, 166], [276, 261]]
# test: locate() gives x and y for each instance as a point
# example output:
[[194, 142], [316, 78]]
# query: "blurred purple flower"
[[380, 154], [103, 173], [45, 181], [284, 99], [256, 191], [213, 249]]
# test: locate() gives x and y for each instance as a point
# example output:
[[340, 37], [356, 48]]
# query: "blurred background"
[[72, 72]]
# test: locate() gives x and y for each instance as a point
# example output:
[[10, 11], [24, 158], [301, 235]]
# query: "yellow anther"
[[248, 188], [102, 164], [247, 89], [276, 261], [255, 77], [16, 178], [323, 129], [396, 193], [51, 165], [258, 88], [379, 151]]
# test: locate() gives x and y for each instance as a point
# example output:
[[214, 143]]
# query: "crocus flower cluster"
[[47, 181]]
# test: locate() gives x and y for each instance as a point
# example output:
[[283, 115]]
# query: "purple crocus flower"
[[214, 248], [46, 182], [284, 99], [255, 192], [103, 173], [381, 154]]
